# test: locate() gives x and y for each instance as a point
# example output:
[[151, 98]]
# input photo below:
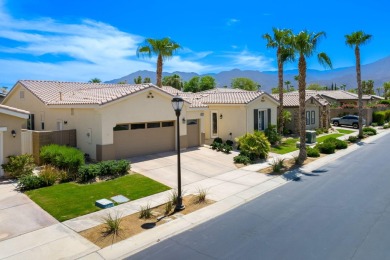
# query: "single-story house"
[[114, 121], [11, 122], [317, 111], [341, 97]]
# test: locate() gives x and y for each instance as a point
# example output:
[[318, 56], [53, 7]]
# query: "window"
[[43, 125], [262, 120], [313, 117], [31, 122], [137, 126], [167, 124], [214, 124], [192, 121], [153, 125], [307, 117], [121, 127]]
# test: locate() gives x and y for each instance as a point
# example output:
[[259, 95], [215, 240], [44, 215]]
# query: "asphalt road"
[[340, 213]]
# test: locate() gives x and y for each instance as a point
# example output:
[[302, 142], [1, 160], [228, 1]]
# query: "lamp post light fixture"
[[13, 133], [177, 104]]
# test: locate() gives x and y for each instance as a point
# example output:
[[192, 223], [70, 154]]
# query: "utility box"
[[310, 137]]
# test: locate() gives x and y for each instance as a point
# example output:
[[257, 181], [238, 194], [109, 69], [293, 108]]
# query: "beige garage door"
[[143, 138], [193, 132]]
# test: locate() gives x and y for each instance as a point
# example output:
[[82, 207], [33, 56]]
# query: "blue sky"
[[79, 40]]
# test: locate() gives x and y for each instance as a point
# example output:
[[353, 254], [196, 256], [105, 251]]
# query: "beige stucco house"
[[11, 122], [114, 121], [316, 109]]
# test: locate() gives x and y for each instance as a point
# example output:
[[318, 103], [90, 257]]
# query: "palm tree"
[[94, 80], [164, 49], [287, 83], [280, 40], [356, 39], [305, 44]]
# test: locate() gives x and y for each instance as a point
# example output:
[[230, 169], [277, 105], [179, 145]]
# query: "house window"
[[214, 124], [307, 117], [153, 125], [313, 117], [31, 122], [43, 125], [192, 121], [167, 124], [121, 127], [137, 126]]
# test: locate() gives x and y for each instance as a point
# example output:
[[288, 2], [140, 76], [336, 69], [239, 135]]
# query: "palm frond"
[[324, 60]]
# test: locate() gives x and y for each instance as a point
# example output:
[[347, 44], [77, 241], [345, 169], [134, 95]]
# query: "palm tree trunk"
[[280, 84], [302, 115], [360, 93], [159, 70]]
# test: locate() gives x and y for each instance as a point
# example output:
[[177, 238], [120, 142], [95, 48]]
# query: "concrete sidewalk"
[[229, 190]]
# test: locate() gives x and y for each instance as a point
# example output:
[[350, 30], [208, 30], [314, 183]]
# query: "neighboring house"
[[341, 97], [317, 111], [114, 121], [11, 122], [2, 96]]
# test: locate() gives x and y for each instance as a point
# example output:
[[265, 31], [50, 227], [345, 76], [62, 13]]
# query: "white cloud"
[[178, 64], [248, 60], [232, 21]]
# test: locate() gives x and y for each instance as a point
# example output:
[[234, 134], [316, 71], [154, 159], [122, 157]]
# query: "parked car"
[[350, 120]]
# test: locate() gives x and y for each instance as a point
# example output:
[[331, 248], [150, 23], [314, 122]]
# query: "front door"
[[214, 124]]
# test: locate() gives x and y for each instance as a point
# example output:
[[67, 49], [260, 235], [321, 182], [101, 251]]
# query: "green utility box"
[[310, 137]]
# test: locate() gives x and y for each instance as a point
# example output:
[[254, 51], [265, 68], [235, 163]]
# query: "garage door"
[[193, 132], [143, 138]]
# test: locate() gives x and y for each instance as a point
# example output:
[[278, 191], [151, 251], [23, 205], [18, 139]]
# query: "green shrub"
[[112, 225], [218, 140], [229, 142], [353, 139], [49, 175], [112, 168], [145, 212], [379, 117], [277, 165], [374, 124], [319, 131], [339, 144], [20, 165], [255, 145], [63, 157], [227, 148], [312, 152], [384, 102], [326, 148], [30, 182], [386, 126], [242, 159], [272, 134], [367, 130], [326, 130], [216, 146]]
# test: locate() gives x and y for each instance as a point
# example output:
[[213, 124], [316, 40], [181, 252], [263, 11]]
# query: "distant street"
[[339, 212]]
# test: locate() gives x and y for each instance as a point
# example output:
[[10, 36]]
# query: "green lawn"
[[286, 147], [70, 200], [344, 131], [323, 138]]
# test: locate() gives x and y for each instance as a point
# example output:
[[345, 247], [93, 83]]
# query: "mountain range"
[[378, 71]]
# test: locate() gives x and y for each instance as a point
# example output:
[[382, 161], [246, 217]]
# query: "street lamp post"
[[177, 104]]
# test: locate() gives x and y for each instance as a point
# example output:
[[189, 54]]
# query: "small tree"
[[138, 80], [173, 81], [244, 83], [95, 80]]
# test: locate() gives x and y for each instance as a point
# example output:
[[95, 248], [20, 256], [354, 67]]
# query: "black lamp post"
[[177, 104]]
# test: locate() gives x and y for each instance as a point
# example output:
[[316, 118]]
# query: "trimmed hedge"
[[63, 157], [339, 144], [242, 159], [312, 152], [326, 148], [368, 130], [380, 117], [114, 168]]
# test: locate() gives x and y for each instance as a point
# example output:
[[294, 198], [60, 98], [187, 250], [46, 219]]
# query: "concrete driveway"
[[196, 164]]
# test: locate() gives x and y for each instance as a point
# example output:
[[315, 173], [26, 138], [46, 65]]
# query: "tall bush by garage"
[[63, 157], [379, 117], [255, 145]]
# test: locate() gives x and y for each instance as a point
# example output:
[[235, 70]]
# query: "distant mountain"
[[377, 71]]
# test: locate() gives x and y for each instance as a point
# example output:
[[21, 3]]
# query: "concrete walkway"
[[229, 189]]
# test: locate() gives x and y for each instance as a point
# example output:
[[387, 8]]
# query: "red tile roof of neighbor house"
[[338, 94], [291, 99], [13, 109], [76, 93]]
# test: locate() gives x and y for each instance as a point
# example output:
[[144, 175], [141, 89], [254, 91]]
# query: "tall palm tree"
[[280, 40], [164, 49], [305, 44], [287, 83], [356, 39]]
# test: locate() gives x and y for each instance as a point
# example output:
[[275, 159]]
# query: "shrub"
[[218, 140], [312, 152], [386, 126], [326, 148], [319, 131], [227, 148], [146, 212], [353, 139], [272, 134], [255, 145], [112, 225], [367, 130], [229, 142], [277, 165], [242, 159], [63, 157], [216, 146], [200, 197], [379, 117], [111, 168], [374, 124], [20, 165], [49, 175], [384, 102], [168, 207], [339, 144], [30, 182]]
